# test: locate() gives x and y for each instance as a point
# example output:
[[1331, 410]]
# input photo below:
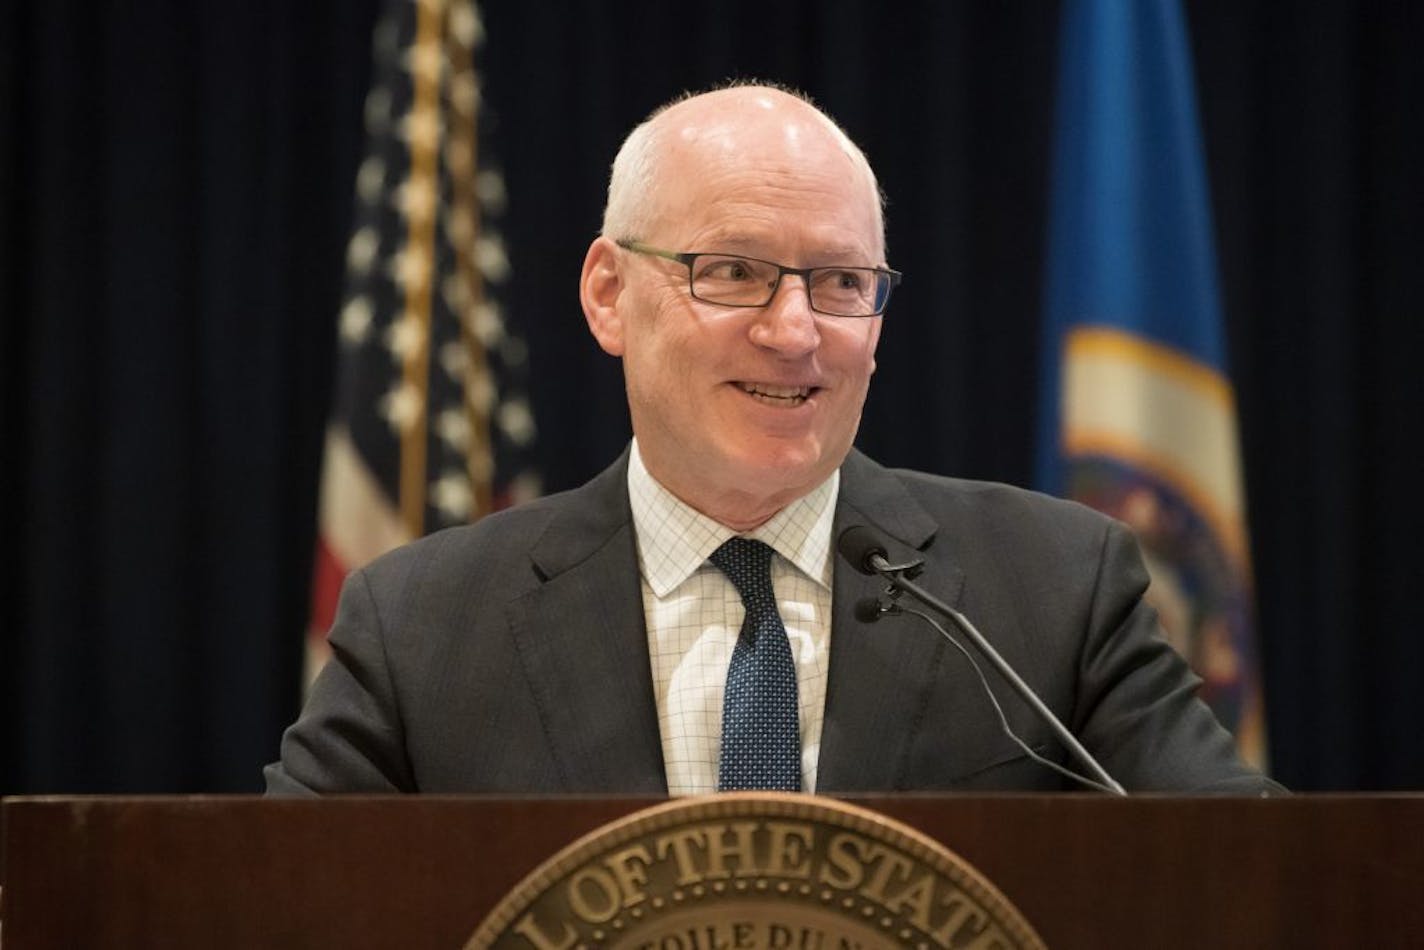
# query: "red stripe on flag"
[[328, 574]]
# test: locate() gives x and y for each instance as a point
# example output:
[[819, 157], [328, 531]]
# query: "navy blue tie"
[[761, 736]]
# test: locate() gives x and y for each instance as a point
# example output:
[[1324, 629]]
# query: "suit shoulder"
[[985, 500], [501, 537]]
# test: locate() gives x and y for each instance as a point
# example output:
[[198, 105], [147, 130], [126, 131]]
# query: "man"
[[613, 638]]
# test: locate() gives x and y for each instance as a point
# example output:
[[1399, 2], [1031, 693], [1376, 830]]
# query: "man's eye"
[[839, 280], [730, 269]]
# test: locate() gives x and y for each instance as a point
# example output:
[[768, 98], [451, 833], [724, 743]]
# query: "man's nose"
[[788, 324]]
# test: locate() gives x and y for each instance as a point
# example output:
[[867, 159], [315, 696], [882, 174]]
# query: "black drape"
[[176, 205], [177, 183], [1315, 136]]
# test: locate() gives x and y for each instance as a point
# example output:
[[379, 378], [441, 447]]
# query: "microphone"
[[869, 609], [864, 550]]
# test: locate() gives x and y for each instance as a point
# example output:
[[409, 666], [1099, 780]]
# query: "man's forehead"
[[715, 147]]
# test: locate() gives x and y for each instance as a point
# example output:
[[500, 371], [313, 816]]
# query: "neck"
[[740, 510]]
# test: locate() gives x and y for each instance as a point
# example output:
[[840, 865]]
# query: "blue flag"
[[1138, 417]]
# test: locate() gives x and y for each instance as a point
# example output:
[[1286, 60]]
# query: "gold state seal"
[[755, 871]]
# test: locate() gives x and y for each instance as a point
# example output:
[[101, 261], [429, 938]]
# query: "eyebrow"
[[754, 247]]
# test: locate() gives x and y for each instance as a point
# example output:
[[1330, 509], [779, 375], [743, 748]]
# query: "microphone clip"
[[909, 570], [871, 609], [889, 600]]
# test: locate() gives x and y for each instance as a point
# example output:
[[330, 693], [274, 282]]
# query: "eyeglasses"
[[731, 280]]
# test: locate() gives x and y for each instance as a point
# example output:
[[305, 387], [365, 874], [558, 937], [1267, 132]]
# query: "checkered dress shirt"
[[694, 615]]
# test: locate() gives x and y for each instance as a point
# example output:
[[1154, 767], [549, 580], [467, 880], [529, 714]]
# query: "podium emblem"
[[755, 871]]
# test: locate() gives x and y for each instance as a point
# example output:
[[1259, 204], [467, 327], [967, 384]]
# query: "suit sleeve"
[[350, 736], [1137, 707]]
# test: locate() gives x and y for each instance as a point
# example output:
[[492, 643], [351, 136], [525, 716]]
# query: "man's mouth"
[[787, 396]]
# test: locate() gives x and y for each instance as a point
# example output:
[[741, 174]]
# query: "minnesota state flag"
[[1138, 417]]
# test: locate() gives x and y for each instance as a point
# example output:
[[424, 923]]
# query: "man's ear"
[[600, 286]]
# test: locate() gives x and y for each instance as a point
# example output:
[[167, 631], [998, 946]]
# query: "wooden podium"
[[1086, 871]]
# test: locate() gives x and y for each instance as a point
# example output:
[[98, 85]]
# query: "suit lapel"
[[582, 638], [881, 675]]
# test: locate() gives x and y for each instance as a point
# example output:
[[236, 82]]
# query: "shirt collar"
[[674, 539]]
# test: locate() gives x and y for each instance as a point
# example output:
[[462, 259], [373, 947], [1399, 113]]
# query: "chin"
[[779, 467]]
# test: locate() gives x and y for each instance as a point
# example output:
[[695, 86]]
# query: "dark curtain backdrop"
[[177, 181]]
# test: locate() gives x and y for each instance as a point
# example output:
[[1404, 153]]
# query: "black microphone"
[[862, 547], [869, 609], [864, 550]]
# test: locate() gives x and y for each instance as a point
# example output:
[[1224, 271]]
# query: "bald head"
[[738, 407], [725, 124]]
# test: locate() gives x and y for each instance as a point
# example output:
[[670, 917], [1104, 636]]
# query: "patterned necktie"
[[761, 737]]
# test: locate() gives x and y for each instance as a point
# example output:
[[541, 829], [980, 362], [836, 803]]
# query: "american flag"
[[431, 424]]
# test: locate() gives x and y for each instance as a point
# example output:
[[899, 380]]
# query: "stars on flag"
[[410, 267], [402, 407], [451, 494], [362, 249], [421, 130], [416, 200], [443, 370], [356, 319], [490, 257], [406, 337], [371, 179]]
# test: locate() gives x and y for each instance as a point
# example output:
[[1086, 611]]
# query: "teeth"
[[777, 392]]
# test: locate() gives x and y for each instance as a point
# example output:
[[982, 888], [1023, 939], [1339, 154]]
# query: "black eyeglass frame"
[[686, 259]]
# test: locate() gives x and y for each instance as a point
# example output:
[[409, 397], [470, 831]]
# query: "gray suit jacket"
[[511, 656]]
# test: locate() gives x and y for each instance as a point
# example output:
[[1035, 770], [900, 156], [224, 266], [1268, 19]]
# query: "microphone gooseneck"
[[864, 550]]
